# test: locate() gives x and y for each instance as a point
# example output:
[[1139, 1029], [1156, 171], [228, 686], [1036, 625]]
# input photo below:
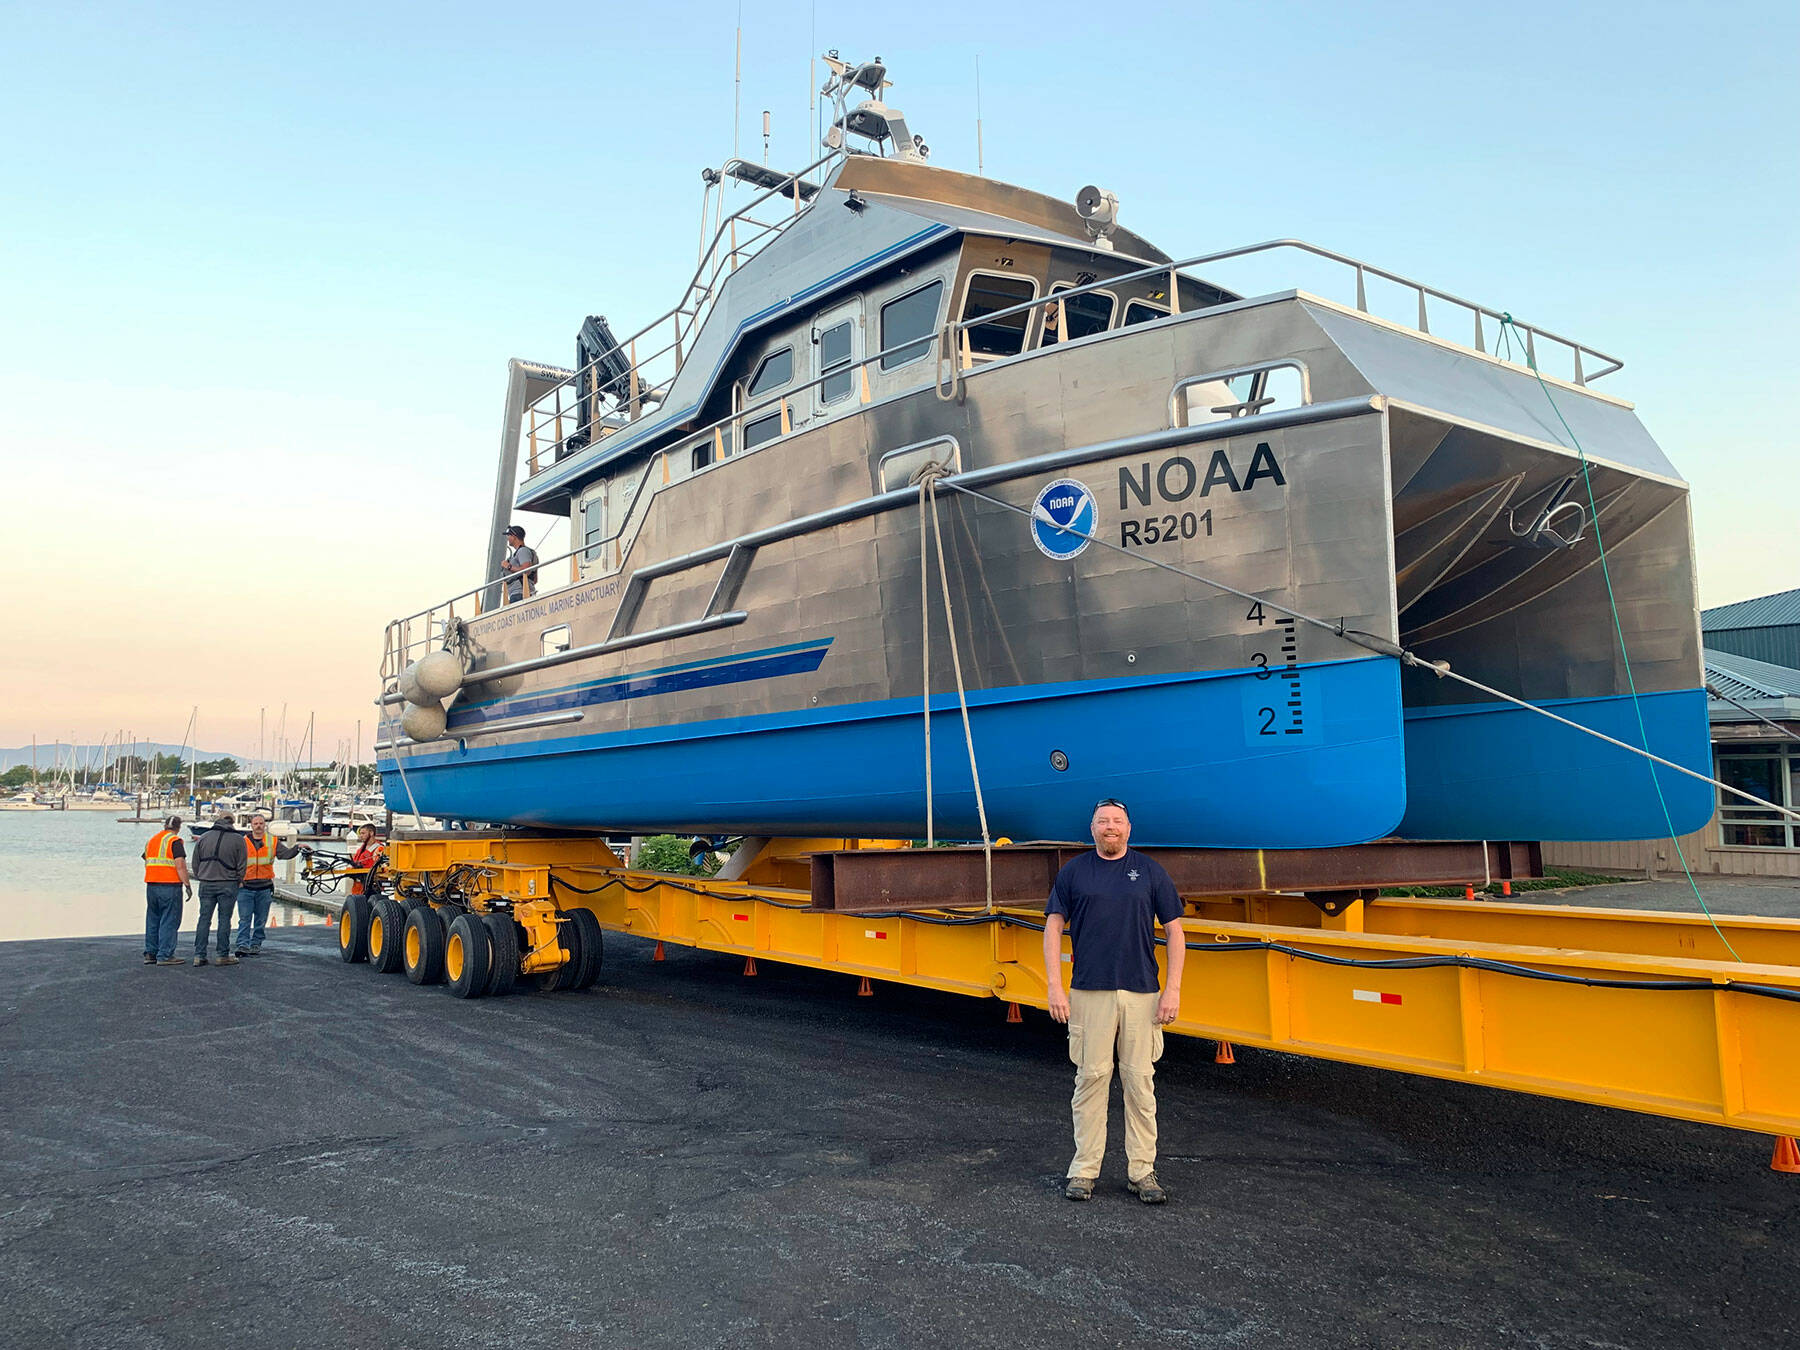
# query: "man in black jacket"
[[217, 864]]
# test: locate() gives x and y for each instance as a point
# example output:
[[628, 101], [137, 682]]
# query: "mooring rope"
[[928, 481]]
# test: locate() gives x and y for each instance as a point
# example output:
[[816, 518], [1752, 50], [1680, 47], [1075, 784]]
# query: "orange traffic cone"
[[1013, 1014], [865, 989], [1787, 1154], [1468, 892], [1223, 1054], [749, 965], [1506, 888], [658, 954]]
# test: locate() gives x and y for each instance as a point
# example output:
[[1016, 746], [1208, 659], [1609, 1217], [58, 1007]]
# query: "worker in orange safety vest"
[[369, 852], [165, 882], [257, 890]]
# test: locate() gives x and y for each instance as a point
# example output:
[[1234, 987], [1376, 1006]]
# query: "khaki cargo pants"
[[1099, 1021]]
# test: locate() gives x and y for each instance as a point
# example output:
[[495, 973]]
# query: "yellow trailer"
[[1644, 1011]]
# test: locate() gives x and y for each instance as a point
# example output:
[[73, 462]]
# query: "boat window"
[[1142, 311], [913, 315], [834, 363], [593, 524], [1241, 392], [555, 640], [987, 294], [762, 429], [1087, 314], [701, 457], [776, 370]]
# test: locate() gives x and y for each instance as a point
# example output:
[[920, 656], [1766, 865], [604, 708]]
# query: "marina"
[[1027, 737]]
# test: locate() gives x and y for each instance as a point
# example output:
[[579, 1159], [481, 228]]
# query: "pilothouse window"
[[834, 363], [776, 370], [988, 294], [911, 316], [1142, 311], [1086, 314]]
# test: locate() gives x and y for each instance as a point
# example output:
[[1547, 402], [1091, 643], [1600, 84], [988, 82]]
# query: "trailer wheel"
[[503, 965], [422, 947], [353, 929], [466, 956], [387, 921], [592, 946]]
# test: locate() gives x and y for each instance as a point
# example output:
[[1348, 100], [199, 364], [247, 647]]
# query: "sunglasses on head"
[[1112, 801]]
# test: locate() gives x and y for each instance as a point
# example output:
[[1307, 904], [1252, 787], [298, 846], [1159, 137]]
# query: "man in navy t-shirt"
[[1110, 901]]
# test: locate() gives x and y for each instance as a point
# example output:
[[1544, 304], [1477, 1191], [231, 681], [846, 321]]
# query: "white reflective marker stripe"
[[874, 933], [1371, 996]]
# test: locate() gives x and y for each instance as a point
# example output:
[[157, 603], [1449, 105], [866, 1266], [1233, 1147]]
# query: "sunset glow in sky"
[[263, 271]]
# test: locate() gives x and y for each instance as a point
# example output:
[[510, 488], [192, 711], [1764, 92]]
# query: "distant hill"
[[47, 754]]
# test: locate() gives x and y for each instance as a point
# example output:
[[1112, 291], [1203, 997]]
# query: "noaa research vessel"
[[1147, 491]]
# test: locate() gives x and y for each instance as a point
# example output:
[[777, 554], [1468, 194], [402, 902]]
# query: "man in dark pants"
[[165, 878], [1110, 900], [218, 865], [262, 849]]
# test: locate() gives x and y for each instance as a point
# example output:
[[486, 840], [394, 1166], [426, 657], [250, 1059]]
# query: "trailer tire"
[[466, 956], [593, 947], [422, 945], [503, 962], [353, 929], [387, 924]]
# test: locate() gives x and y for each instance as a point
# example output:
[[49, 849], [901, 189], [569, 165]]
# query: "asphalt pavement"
[[293, 1152]]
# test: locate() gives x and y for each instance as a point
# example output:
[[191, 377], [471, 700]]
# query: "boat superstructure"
[[738, 643]]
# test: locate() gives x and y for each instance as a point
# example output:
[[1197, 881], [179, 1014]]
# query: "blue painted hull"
[[1494, 771], [1210, 760], [1202, 760]]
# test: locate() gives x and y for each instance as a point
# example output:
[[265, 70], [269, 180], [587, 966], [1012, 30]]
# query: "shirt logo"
[[1132, 875]]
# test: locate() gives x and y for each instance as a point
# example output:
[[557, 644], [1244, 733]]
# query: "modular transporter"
[[941, 508]]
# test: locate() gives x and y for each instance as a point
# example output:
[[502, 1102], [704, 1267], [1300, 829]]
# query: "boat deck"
[[302, 1153]]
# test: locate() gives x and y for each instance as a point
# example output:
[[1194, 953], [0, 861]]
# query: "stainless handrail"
[[1363, 271], [701, 295], [951, 329]]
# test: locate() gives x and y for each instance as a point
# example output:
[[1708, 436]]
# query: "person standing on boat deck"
[[1110, 901], [261, 849], [219, 861], [165, 879], [520, 567]]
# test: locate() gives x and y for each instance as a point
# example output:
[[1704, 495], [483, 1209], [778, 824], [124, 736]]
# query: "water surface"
[[79, 874]]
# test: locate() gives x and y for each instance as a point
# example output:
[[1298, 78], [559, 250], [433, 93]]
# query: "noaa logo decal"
[[1064, 519]]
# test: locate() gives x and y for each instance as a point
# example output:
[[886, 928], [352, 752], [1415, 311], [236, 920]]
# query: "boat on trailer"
[[1139, 478]]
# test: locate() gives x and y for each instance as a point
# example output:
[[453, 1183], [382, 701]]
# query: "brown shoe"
[[173, 961], [227, 961], [1079, 1188], [1148, 1189]]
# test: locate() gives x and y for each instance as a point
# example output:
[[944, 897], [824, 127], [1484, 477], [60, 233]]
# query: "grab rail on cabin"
[[1363, 271], [948, 347]]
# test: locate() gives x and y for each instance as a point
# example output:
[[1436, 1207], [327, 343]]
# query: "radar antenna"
[[880, 126]]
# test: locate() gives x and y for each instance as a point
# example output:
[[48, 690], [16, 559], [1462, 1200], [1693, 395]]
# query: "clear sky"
[[261, 269]]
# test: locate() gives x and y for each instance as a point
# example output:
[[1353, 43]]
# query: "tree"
[[16, 777], [669, 853]]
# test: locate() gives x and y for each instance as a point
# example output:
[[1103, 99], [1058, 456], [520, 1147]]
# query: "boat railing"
[[556, 424], [1529, 335], [418, 633]]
